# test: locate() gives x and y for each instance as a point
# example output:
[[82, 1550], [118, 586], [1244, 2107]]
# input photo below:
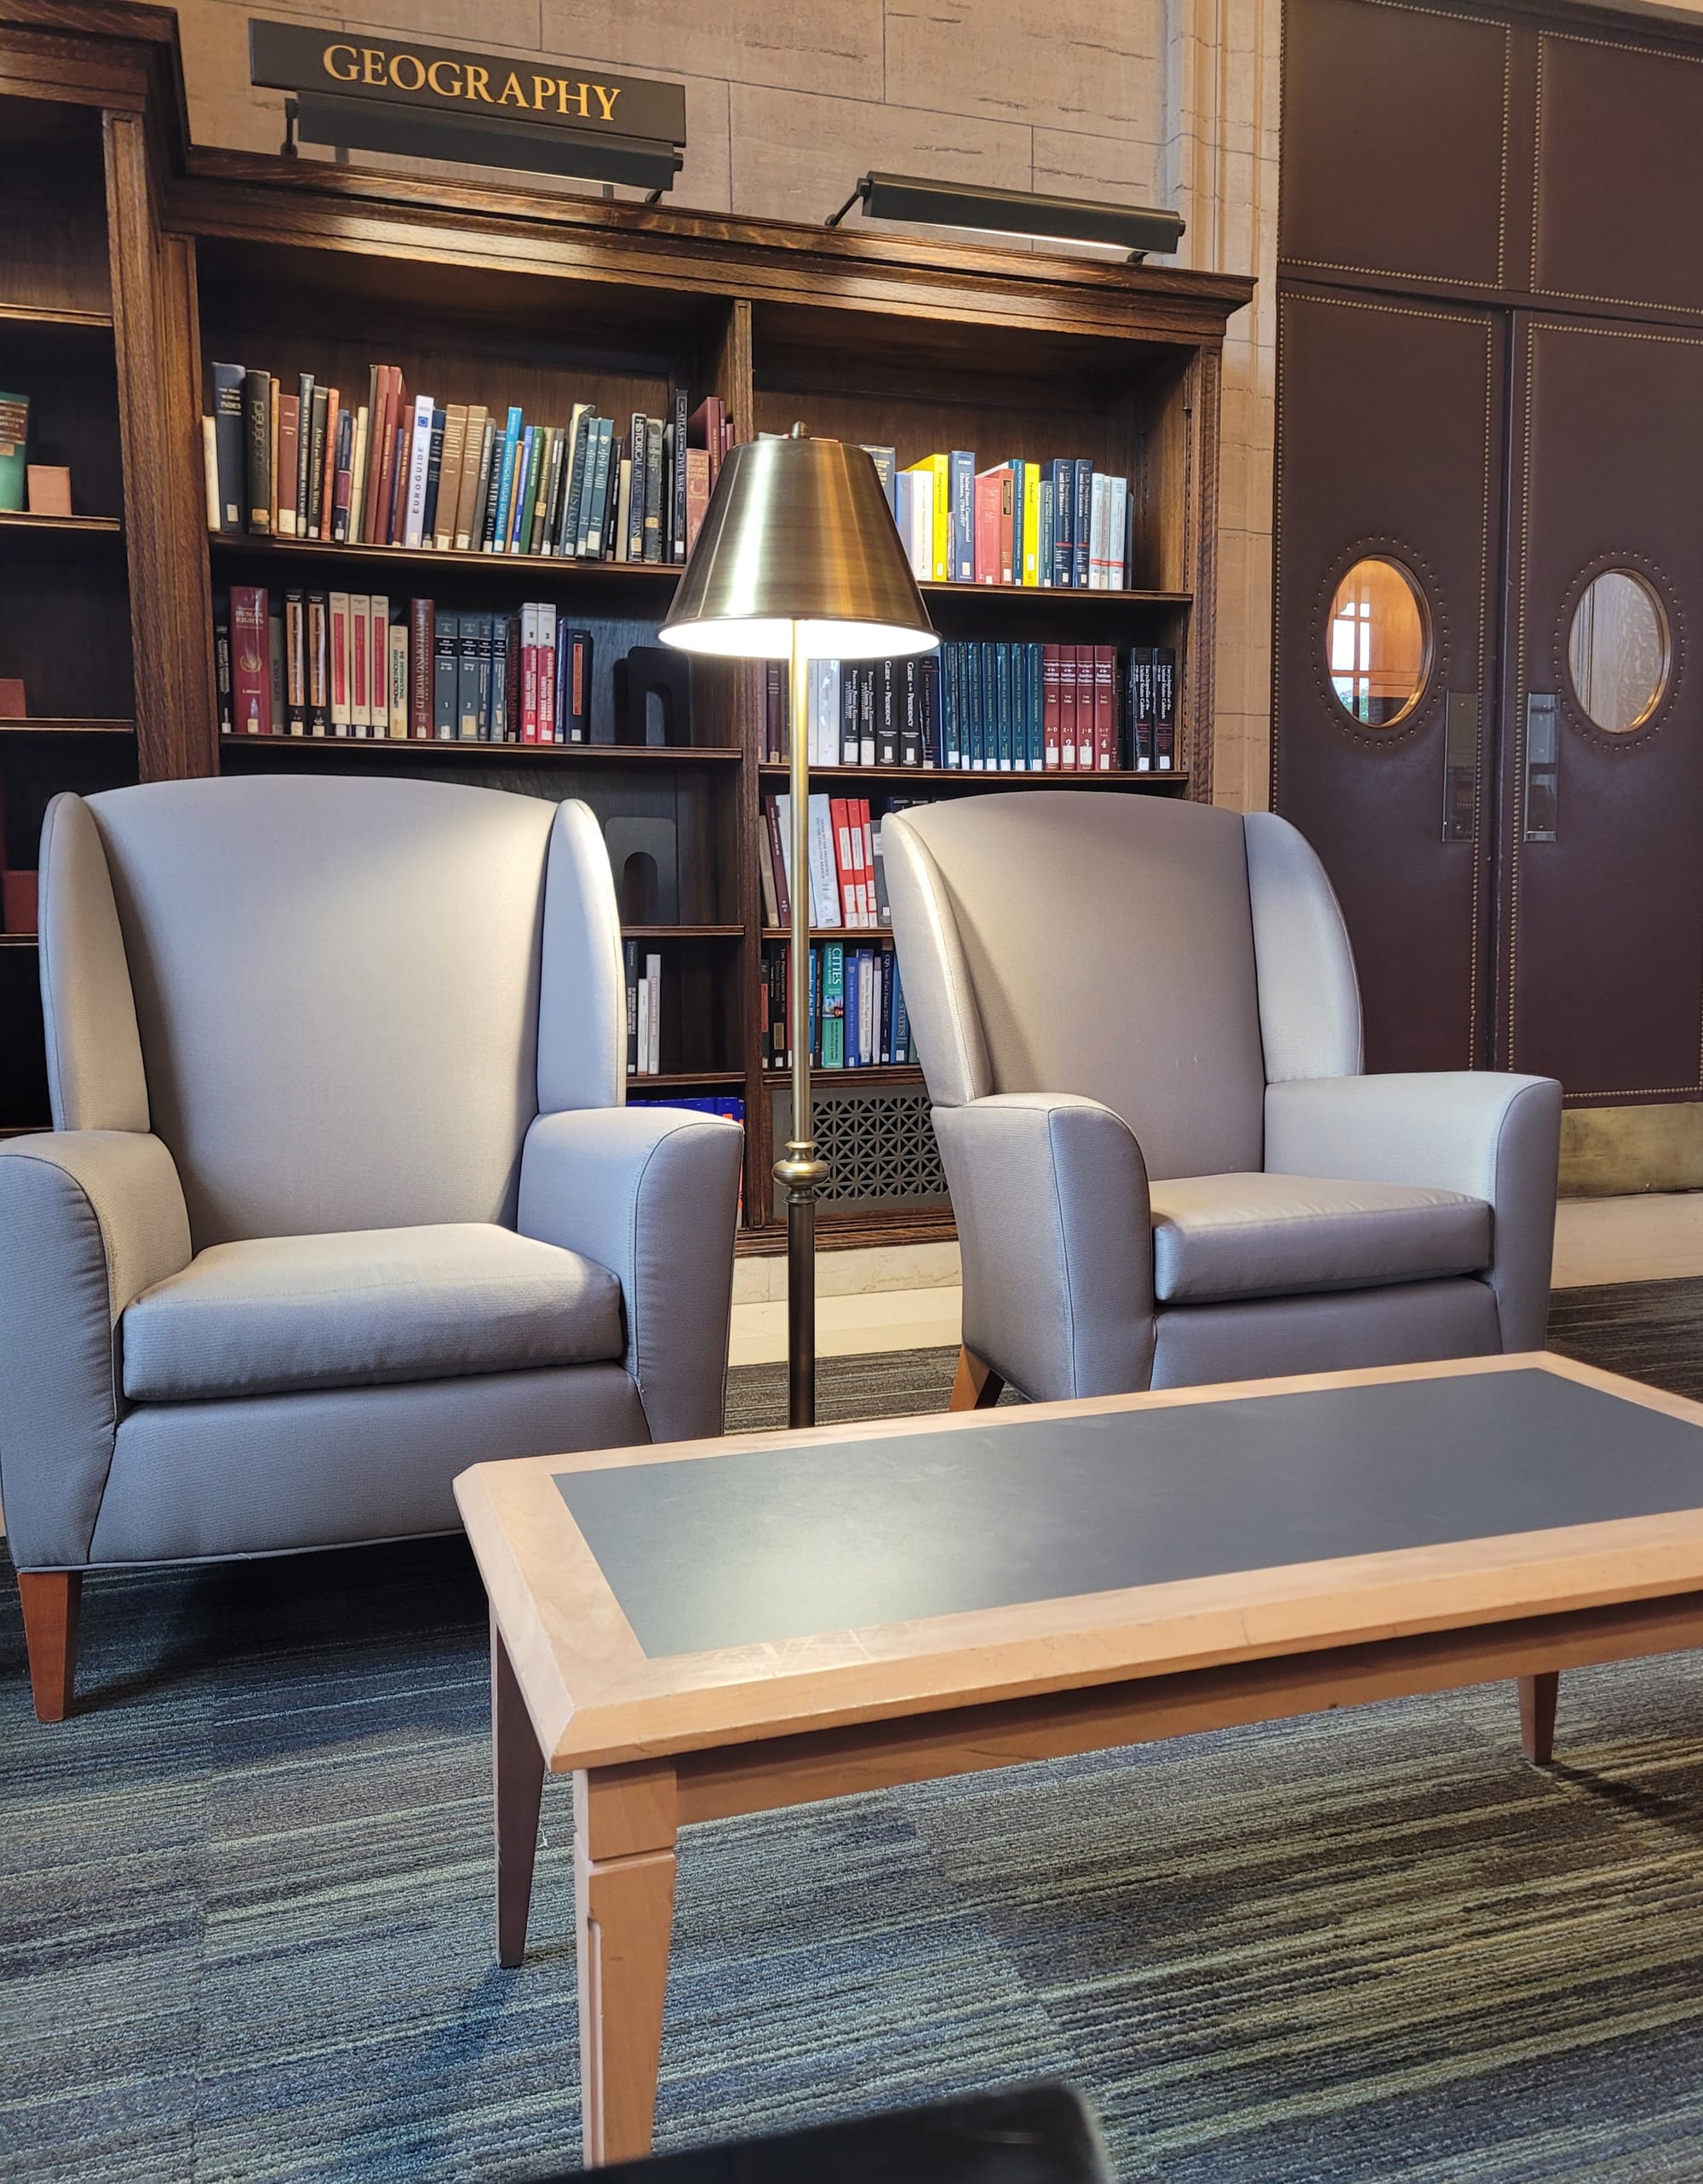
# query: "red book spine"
[[549, 640], [985, 562], [783, 904], [1067, 707], [422, 630], [289, 461], [866, 857], [250, 662], [360, 677], [378, 439], [511, 676], [839, 812], [529, 675], [1105, 707], [1049, 707], [378, 522]]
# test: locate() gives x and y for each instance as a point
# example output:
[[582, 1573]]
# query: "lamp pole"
[[800, 1171]]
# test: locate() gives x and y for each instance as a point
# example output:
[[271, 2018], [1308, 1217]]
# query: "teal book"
[[14, 432], [505, 484], [833, 1005]]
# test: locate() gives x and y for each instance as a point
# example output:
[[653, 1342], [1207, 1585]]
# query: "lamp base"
[[801, 1173]]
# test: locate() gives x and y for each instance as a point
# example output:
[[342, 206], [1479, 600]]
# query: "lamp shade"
[[798, 533]]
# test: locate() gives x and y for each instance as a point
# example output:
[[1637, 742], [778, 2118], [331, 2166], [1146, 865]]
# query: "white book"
[[623, 507], [824, 883], [849, 888], [357, 475], [653, 980], [419, 463], [337, 616], [209, 463], [867, 1018], [920, 537], [399, 682], [360, 674], [1117, 574], [866, 885], [378, 665], [1096, 532], [642, 1043], [828, 715]]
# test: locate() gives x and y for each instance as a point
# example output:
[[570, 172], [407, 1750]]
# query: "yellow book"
[[939, 467], [1031, 523]]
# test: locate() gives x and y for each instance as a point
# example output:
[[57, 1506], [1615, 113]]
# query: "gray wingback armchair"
[[341, 1193], [1140, 1028]]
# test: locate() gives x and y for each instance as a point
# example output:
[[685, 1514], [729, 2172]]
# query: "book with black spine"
[[229, 445], [295, 663], [446, 654], [302, 485], [652, 511], [499, 677], [222, 681], [257, 438], [639, 453], [677, 476], [317, 436], [886, 715], [435, 478]]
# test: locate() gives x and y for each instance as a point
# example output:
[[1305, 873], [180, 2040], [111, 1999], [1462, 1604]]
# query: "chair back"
[[1067, 941], [328, 996]]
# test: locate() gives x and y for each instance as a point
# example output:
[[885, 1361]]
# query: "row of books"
[[406, 470], [858, 1014], [847, 877], [987, 708], [1055, 526], [344, 664], [644, 1010]]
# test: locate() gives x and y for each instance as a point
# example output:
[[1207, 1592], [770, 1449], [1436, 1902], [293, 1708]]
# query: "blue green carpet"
[[245, 1923]]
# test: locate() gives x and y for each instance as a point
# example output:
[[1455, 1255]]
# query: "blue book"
[[1037, 735], [1002, 699], [1082, 523], [520, 499], [854, 976], [1063, 476], [886, 462], [961, 526], [505, 485], [901, 1053]]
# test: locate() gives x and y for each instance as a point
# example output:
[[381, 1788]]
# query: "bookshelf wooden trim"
[[688, 1080], [863, 935], [400, 746], [682, 932], [43, 315], [47, 725], [876, 1072], [656, 576], [18, 939], [20, 519]]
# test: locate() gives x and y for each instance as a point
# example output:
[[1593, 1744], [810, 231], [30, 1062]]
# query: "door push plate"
[[1542, 767], [1460, 766]]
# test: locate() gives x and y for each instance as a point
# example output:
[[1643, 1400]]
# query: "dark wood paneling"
[[1390, 444], [1605, 923], [1396, 140]]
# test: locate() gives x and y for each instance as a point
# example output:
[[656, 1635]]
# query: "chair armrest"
[[88, 1219], [1050, 1195], [1490, 1135], [651, 1193]]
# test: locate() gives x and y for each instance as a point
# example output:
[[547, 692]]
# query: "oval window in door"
[[1618, 651], [1377, 643]]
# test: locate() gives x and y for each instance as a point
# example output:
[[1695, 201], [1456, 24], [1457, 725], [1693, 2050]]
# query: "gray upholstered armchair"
[[1140, 1027], [342, 1195]]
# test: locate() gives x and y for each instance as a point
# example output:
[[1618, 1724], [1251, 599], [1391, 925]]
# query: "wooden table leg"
[[976, 1386], [625, 1821], [518, 1783], [1537, 1716]]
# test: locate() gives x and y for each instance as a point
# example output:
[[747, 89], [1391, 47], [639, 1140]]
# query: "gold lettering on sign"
[[412, 60], [372, 64], [478, 78], [447, 90], [343, 75], [606, 99], [511, 94], [542, 88]]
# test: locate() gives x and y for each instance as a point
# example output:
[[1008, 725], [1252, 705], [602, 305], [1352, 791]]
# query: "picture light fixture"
[[1027, 213]]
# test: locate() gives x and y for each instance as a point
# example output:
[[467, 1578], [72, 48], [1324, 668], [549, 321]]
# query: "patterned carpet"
[[244, 1907]]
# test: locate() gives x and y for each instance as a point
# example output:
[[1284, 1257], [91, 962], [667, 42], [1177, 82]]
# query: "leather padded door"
[[1391, 418], [1603, 970]]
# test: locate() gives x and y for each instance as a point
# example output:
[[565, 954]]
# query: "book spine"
[[444, 487], [327, 418], [446, 648], [435, 478], [473, 447], [423, 660], [275, 413], [419, 470], [845, 863], [378, 665], [866, 714], [1010, 536], [529, 673], [1105, 708], [985, 551], [250, 662], [1031, 524], [289, 461], [486, 708], [520, 513], [343, 479], [547, 674], [823, 875], [230, 446], [1164, 709], [1081, 523], [257, 451], [319, 664], [639, 452], [1064, 522], [377, 403], [466, 680], [359, 673], [886, 715], [400, 707], [504, 495], [544, 538], [1051, 755], [339, 618], [651, 511], [579, 687], [911, 722], [294, 664], [962, 487], [1044, 576], [484, 501], [680, 532], [383, 466]]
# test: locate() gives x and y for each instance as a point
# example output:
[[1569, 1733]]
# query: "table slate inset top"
[[764, 1544]]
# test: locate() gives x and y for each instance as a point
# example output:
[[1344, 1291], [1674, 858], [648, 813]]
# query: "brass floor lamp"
[[799, 560]]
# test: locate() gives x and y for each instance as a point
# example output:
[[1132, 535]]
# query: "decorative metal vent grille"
[[879, 1143]]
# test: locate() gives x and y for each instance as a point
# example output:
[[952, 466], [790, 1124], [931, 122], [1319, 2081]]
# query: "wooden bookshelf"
[[492, 291]]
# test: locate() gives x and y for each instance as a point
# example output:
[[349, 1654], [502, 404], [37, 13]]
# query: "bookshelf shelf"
[[862, 936], [18, 939], [682, 932], [45, 724], [16, 524], [59, 321], [1055, 595], [881, 1073], [957, 777], [353, 747], [686, 1079], [655, 577]]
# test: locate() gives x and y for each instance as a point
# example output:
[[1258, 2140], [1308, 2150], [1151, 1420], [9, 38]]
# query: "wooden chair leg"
[[1537, 1716], [977, 1387], [51, 1599]]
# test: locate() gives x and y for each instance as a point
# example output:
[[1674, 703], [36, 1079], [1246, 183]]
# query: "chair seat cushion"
[[1274, 1235], [372, 1305]]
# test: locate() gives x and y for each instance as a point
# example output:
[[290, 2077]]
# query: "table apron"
[[805, 1768]]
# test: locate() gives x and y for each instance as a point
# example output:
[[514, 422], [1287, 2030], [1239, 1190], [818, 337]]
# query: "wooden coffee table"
[[720, 1627]]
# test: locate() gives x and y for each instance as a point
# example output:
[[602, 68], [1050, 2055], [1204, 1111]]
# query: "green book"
[[14, 432]]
